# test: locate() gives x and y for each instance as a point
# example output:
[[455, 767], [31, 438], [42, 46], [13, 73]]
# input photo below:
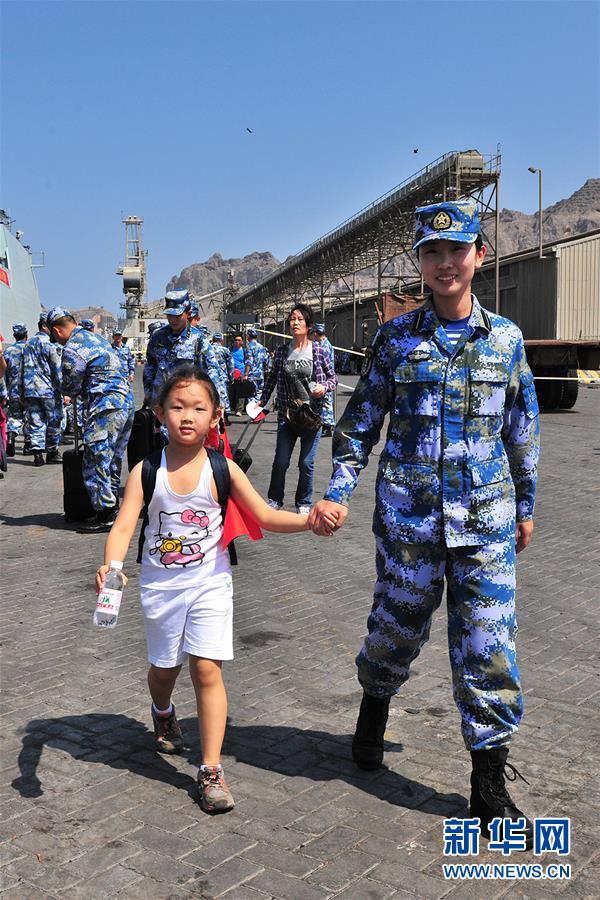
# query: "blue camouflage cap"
[[455, 220], [177, 302], [57, 312], [252, 332], [19, 328], [194, 310], [43, 319], [319, 327], [87, 324], [217, 336], [153, 326]]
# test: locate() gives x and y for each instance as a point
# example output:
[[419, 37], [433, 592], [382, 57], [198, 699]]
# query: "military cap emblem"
[[441, 221]]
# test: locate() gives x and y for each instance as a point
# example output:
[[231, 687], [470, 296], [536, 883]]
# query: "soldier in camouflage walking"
[[91, 367], [42, 391], [176, 342], [454, 500], [225, 361], [17, 420], [327, 413], [125, 354], [257, 358]]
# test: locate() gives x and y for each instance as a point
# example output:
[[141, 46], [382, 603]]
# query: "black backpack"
[[222, 478]]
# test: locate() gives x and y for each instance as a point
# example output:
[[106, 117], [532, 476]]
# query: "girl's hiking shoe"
[[167, 733], [215, 796]]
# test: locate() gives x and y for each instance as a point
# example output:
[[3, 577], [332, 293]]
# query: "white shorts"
[[196, 620]]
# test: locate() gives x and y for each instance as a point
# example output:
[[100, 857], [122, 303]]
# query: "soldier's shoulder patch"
[[367, 364]]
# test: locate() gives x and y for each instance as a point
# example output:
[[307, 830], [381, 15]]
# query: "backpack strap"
[[150, 467], [222, 478]]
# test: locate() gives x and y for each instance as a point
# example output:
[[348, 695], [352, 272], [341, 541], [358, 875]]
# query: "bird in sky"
[[249, 130], [416, 150]]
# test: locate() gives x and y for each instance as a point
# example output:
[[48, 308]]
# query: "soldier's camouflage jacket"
[[41, 368], [90, 367], [224, 359], [166, 349], [462, 446], [126, 357], [14, 370], [257, 357]]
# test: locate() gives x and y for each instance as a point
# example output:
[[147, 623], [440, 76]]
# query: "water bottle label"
[[109, 601]]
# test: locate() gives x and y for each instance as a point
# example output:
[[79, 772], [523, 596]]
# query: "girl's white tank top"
[[182, 545]]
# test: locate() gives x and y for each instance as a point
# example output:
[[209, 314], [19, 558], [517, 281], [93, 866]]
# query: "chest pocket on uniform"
[[487, 389], [418, 388]]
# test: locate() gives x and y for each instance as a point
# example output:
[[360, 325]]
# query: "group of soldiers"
[[68, 376]]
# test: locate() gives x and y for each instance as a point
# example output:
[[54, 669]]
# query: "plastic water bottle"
[[109, 598]]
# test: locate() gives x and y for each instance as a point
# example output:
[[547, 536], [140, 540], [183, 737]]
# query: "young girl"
[[186, 589]]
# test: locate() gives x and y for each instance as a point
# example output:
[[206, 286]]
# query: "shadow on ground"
[[290, 751]]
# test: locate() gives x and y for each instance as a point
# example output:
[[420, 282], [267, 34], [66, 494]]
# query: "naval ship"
[[19, 297]]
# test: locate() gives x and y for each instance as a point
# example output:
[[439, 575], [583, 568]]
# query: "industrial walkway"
[[89, 811]]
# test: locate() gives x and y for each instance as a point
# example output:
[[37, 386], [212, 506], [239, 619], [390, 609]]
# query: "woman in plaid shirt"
[[299, 367]]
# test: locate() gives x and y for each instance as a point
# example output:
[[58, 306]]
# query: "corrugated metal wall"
[[579, 290], [527, 295]]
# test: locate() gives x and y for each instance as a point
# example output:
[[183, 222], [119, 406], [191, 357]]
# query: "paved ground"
[[88, 811]]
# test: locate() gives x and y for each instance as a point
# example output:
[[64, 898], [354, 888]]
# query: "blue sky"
[[141, 108]]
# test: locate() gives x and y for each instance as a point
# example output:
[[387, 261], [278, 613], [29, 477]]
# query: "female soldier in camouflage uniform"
[[456, 481]]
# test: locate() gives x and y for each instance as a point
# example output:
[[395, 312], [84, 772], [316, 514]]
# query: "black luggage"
[[242, 457], [144, 437], [76, 500]]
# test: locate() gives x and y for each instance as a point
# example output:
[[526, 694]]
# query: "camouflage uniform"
[[458, 467], [257, 359], [42, 392], [91, 367], [126, 357], [17, 420], [225, 363], [327, 413], [166, 349]]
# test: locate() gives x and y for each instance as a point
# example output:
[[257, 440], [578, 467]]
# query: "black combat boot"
[[38, 458], [53, 457], [367, 743], [10, 443], [102, 520], [489, 797]]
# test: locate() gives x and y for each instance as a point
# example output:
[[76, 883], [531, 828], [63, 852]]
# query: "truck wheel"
[[569, 392], [549, 393]]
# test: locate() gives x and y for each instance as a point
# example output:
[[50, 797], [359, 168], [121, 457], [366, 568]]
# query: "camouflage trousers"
[[259, 383], [44, 422], [481, 630], [18, 419], [327, 409], [105, 437]]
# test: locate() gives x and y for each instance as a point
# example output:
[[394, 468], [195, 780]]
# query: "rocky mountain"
[[202, 278], [577, 214]]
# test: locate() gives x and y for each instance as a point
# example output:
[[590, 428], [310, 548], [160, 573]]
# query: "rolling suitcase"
[[242, 457], [76, 500], [144, 437]]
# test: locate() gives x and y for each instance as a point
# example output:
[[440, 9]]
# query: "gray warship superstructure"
[[19, 296]]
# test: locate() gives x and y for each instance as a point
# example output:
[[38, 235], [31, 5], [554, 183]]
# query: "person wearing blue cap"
[[176, 342], [90, 367], [194, 316], [17, 420], [42, 393], [87, 324], [225, 362], [257, 358], [327, 413], [454, 501]]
